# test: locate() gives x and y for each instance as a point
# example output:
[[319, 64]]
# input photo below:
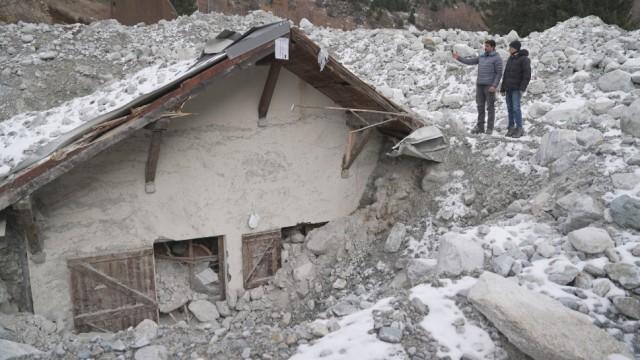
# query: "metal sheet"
[[426, 143], [256, 37]]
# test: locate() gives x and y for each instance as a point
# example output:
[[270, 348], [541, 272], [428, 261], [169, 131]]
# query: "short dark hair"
[[490, 43]]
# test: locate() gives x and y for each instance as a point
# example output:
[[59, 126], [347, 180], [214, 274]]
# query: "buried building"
[[186, 192]]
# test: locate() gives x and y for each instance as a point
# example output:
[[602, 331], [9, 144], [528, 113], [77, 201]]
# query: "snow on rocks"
[[590, 240], [616, 80], [538, 325], [589, 137], [555, 144], [628, 306], [627, 275]]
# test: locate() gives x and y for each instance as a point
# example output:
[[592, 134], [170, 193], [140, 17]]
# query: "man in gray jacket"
[[489, 74]]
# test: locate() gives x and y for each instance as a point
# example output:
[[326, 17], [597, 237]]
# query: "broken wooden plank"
[[113, 283], [151, 166], [355, 144], [269, 88], [26, 220], [107, 314]]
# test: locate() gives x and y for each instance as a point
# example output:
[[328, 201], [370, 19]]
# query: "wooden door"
[[113, 292], [260, 257]]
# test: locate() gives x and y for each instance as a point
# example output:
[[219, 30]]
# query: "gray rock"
[[601, 105], [545, 249], [590, 240], [635, 77], [339, 284], [420, 270], [458, 255], [304, 272], [390, 334], [27, 38], [146, 329], [502, 264], [616, 80], [628, 306], [538, 325], [562, 275], [625, 211], [636, 251], [223, 308], [612, 254], [204, 310], [13, 350], [555, 144], [589, 137], [630, 120], [329, 237], [48, 55], [318, 329], [626, 274], [582, 210], [634, 160], [625, 181], [594, 270], [583, 281], [343, 308], [118, 345], [154, 352], [601, 287], [419, 306], [395, 238]]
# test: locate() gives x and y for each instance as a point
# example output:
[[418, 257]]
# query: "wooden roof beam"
[[269, 88], [26, 219]]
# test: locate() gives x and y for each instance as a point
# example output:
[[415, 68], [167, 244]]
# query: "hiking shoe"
[[489, 131], [477, 130], [518, 132], [510, 132]]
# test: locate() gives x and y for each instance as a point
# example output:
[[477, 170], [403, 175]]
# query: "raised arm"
[[469, 60]]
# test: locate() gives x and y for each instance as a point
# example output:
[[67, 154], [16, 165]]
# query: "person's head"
[[514, 47], [489, 46]]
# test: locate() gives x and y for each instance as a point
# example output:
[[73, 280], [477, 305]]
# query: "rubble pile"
[[479, 257]]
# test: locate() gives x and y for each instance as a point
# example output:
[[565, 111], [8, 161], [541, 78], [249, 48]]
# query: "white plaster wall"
[[215, 168]]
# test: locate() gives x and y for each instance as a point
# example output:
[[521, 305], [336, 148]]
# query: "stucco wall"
[[216, 167]]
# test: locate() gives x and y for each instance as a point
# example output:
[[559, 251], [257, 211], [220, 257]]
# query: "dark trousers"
[[487, 99]]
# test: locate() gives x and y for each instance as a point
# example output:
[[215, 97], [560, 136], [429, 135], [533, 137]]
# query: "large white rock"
[[204, 310], [571, 111], [589, 137], [395, 238], [625, 181], [453, 101], [601, 105], [464, 50], [14, 350], [155, 352], [458, 255], [539, 109], [538, 325], [631, 65], [555, 144], [536, 87], [590, 240], [616, 80]]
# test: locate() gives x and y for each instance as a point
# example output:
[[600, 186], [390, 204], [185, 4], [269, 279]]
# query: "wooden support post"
[[269, 87], [157, 129], [26, 220], [355, 143]]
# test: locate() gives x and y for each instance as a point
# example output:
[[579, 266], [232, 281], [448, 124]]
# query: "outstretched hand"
[[455, 55]]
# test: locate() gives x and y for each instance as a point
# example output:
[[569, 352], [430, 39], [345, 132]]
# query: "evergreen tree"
[[412, 16], [185, 7], [526, 16]]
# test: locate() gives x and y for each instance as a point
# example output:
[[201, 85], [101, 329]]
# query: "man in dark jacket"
[[517, 75], [489, 74]]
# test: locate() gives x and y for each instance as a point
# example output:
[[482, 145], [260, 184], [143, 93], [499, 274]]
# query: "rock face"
[[625, 211], [203, 310], [458, 255], [590, 240], [555, 144], [616, 80], [419, 270], [540, 326], [395, 238], [14, 350], [628, 306]]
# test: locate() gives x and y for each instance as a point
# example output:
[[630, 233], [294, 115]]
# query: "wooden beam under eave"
[[151, 167], [26, 219], [355, 144], [269, 88]]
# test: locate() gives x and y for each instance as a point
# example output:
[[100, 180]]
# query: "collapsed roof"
[[229, 53]]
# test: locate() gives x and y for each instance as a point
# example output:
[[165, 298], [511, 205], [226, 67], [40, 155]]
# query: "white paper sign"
[[282, 48]]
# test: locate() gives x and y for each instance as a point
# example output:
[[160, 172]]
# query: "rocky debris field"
[[522, 248]]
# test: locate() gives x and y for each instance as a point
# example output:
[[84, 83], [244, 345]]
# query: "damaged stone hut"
[[188, 190]]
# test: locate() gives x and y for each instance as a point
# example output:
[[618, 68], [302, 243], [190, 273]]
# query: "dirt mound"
[[53, 11]]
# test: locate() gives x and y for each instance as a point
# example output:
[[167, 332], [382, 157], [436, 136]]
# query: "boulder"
[[625, 181], [631, 65], [539, 109], [204, 310], [395, 238], [616, 80], [589, 137], [630, 120], [555, 144], [464, 50], [635, 77], [420, 270], [582, 210], [538, 325], [625, 211], [536, 87], [13, 350], [453, 101], [502, 264], [562, 273], [318, 329], [146, 330], [590, 240], [601, 105], [458, 255], [601, 287], [328, 237], [155, 352], [571, 111], [627, 275], [223, 308], [628, 306], [390, 334]]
